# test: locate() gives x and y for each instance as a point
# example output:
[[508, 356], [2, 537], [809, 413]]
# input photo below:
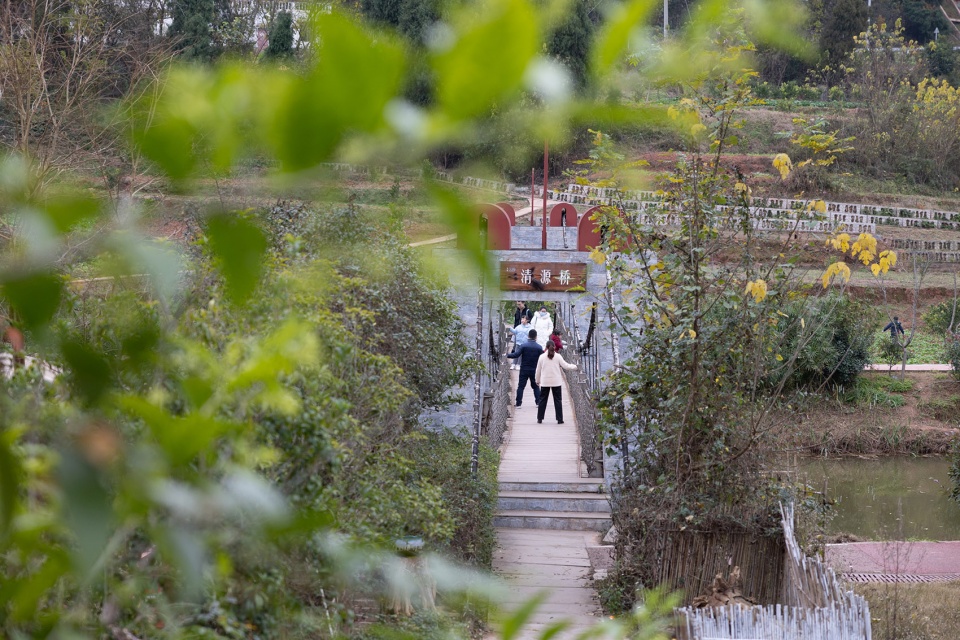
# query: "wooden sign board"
[[543, 276]]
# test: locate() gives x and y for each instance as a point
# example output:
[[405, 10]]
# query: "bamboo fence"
[[814, 606], [688, 561]]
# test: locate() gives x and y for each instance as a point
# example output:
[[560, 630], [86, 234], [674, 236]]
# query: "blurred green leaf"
[[90, 373], [140, 345], [197, 390], [30, 590], [554, 630], [200, 118], [181, 438], [308, 117], [514, 623], [14, 177], [231, 101], [778, 24], [304, 521], [620, 26], [9, 481], [169, 142], [187, 551], [239, 245], [87, 507], [488, 58], [159, 260], [68, 211], [464, 220], [34, 297]]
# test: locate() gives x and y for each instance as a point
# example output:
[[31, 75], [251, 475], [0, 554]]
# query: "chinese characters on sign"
[[543, 276]]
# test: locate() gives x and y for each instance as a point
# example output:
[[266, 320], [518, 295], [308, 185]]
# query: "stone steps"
[[560, 520], [584, 485], [553, 501]]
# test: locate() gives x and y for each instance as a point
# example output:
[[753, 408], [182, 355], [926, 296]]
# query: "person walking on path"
[[523, 311], [520, 335], [543, 323], [555, 339], [550, 378], [529, 354], [895, 329]]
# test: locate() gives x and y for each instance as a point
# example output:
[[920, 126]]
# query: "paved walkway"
[[536, 560], [886, 559], [910, 367]]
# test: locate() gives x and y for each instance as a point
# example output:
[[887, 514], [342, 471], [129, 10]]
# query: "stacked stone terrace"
[[777, 214]]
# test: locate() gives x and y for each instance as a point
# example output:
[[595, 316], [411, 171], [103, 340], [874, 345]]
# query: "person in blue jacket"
[[519, 336], [895, 329], [529, 353]]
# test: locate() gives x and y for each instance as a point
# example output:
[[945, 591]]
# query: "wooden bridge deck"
[[553, 561], [547, 452]]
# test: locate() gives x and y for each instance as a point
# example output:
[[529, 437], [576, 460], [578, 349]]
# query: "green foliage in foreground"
[[224, 449]]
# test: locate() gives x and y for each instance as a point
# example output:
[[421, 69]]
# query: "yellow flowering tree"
[[822, 149], [865, 250], [711, 321], [936, 114]]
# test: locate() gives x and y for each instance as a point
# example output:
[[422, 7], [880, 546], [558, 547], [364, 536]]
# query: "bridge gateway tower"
[[560, 274]]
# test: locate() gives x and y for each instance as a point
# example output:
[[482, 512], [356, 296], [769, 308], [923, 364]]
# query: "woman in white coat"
[[549, 377], [543, 323]]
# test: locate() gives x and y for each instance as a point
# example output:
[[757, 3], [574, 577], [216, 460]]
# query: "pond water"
[[869, 495]]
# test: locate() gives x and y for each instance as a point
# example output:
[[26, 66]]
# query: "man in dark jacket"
[[895, 329], [529, 353], [522, 310]]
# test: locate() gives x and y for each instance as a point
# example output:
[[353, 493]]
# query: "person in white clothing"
[[549, 378], [543, 323]]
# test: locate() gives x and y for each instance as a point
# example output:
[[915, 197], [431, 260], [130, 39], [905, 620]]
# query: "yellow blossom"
[[758, 289], [888, 259], [840, 242], [836, 269], [783, 164]]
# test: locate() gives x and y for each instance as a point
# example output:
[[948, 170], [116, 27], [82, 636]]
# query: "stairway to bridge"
[[550, 519]]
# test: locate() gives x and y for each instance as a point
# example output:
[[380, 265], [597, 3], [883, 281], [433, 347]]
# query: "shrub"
[[953, 353], [939, 316], [443, 459], [840, 346]]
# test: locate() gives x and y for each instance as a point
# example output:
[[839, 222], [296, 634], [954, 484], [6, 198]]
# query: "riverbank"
[[880, 415]]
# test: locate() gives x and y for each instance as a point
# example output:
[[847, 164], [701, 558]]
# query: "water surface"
[[889, 498]]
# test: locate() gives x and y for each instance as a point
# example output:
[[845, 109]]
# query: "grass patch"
[[872, 392], [913, 611], [893, 385], [926, 348], [943, 409]]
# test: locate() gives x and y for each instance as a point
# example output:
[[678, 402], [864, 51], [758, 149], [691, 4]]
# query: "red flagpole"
[[546, 158], [532, 201]]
